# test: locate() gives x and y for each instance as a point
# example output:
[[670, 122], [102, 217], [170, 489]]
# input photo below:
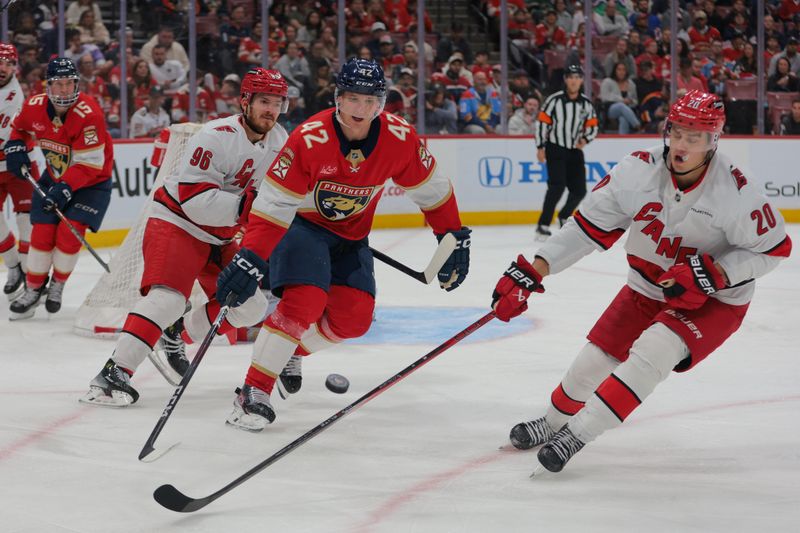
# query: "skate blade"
[[159, 360], [12, 316], [98, 397], [539, 472], [245, 421], [158, 453]]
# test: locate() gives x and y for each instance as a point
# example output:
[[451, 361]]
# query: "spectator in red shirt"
[[701, 34], [482, 64], [788, 9], [142, 82], [650, 54], [736, 48], [687, 81], [549, 34], [697, 72]]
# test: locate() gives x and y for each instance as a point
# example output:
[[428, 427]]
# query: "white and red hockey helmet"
[[700, 112], [262, 80], [8, 52]]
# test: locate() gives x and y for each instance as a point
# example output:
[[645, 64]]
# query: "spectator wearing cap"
[[549, 34], [174, 50], [453, 78], [441, 113], [790, 53], [610, 22], [524, 121], [480, 106], [650, 55], [790, 123], [642, 18], [401, 98], [150, 119], [296, 111], [386, 47], [567, 123], [378, 30], [411, 38], [452, 43], [701, 34]]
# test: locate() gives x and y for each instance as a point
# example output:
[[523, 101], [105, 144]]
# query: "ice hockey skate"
[[25, 306], [291, 378], [558, 451], [55, 291], [527, 435], [111, 388], [15, 283], [251, 409], [543, 233], [169, 356]]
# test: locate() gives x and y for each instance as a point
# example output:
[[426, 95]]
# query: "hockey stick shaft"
[[76, 233], [443, 251], [176, 396], [171, 498]]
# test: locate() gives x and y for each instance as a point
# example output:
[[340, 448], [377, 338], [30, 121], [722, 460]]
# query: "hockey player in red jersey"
[[190, 236], [70, 129], [699, 234], [331, 174], [14, 255]]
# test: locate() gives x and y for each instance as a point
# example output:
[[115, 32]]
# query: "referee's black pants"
[[565, 169]]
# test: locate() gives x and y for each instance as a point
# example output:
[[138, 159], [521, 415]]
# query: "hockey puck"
[[337, 383]]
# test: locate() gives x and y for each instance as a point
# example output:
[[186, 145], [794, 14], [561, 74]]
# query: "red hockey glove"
[[510, 297], [688, 285], [245, 204]]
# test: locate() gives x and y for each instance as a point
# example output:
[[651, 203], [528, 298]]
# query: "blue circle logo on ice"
[[434, 325]]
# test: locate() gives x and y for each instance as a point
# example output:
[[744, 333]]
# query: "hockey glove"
[[510, 297], [245, 204], [455, 269], [688, 285], [58, 196], [16, 156], [241, 277]]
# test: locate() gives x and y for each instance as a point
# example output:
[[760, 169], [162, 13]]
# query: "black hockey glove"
[[241, 277], [58, 196], [16, 156], [455, 269]]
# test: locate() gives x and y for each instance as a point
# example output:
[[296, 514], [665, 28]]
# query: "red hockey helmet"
[[698, 110], [8, 52], [261, 80]]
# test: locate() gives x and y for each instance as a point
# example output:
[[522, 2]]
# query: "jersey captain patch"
[[336, 201], [57, 156]]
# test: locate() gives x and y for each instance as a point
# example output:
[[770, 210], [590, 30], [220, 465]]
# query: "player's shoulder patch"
[[90, 135], [738, 177], [643, 155]]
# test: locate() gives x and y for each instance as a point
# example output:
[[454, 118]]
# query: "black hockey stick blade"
[[440, 256], [147, 455], [174, 500]]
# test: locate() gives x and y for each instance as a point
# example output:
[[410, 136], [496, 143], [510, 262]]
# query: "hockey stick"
[[146, 454], [445, 248], [173, 499], [26, 173]]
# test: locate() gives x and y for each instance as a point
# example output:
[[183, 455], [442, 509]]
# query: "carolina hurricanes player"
[[331, 174], [189, 236], [20, 191], [700, 233], [71, 131]]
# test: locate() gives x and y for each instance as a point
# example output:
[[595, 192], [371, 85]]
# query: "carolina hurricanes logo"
[[741, 181], [337, 202]]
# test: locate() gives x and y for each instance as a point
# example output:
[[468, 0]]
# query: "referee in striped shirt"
[[567, 123]]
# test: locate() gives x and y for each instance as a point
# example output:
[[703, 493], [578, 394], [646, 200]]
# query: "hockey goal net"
[[103, 312]]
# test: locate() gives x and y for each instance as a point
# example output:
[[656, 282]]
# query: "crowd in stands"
[[631, 60]]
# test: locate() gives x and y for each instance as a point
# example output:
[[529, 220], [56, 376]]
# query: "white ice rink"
[[715, 449]]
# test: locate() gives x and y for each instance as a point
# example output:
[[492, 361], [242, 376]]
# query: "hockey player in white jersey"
[[20, 191], [699, 234], [189, 236]]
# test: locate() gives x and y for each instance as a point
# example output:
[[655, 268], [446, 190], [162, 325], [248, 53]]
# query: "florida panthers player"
[[20, 191], [700, 233], [331, 174], [70, 129], [189, 236]]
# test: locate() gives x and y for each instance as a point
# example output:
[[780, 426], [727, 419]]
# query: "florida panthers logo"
[[57, 157], [337, 202]]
